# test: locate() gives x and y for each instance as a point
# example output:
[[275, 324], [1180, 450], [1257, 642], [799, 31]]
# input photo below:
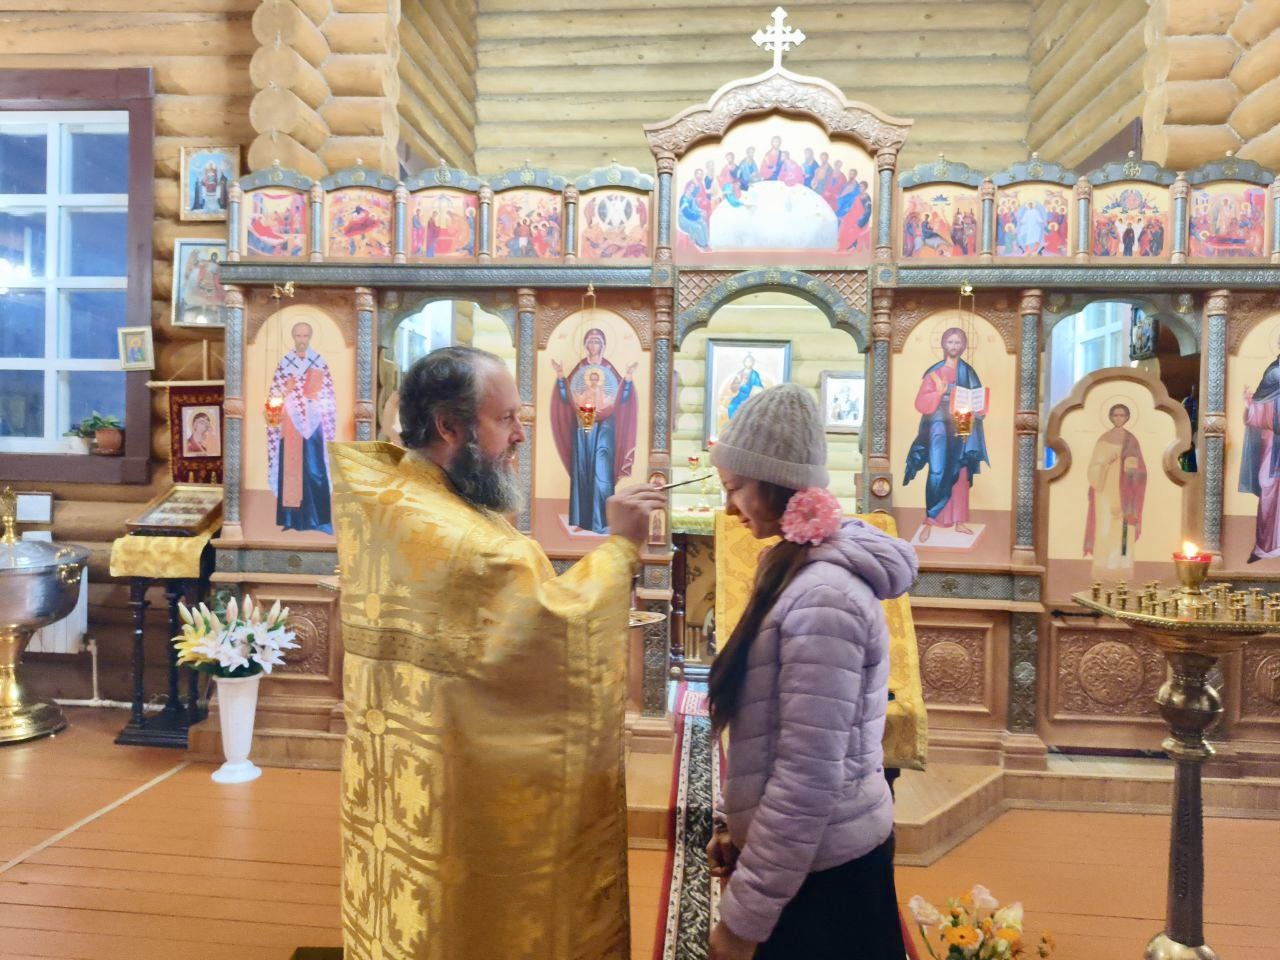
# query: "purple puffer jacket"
[[805, 789]]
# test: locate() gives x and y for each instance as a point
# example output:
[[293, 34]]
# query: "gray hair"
[[445, 383]]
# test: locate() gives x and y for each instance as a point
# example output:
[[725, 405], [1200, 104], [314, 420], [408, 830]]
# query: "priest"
[[483, 812]]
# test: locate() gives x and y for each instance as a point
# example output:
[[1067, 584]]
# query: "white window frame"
[[1113, 331], [57, 205]]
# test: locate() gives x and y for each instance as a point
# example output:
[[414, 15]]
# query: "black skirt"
[[849, 912]]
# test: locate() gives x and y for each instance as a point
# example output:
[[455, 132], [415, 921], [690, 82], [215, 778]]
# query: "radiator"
[[65, 635]]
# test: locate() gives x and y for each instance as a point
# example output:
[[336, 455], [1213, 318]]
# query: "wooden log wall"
[[568, 83], [1213, 81], [1190, 93], [1086, 74], [1256, 76], [437, 73]]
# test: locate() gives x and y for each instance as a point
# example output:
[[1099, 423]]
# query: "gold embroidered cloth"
[[483, 812], [160, 558], [906, 728]]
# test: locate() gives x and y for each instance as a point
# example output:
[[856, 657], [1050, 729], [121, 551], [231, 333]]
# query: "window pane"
[[89, 323], [1093, 356], [83, 394], [97, 163], [21, 403], [22, 324], [23, 159], [97, 243], [22, 236]]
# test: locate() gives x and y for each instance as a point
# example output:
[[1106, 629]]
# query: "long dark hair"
[[777, 568]]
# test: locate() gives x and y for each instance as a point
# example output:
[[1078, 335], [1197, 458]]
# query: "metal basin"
[[39, 583], [33, 596]]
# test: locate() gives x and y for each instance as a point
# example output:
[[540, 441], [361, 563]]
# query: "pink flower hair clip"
[[812, 516]]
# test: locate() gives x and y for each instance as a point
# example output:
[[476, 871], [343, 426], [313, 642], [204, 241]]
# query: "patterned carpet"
[[692, 895]]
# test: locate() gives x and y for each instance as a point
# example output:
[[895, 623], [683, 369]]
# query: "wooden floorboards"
[[186, 868]]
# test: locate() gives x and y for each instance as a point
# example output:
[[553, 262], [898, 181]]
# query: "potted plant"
[[77, 442], [107, 432], [236, 650]]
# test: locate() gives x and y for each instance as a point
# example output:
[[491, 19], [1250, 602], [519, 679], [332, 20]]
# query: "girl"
[[805, 837]]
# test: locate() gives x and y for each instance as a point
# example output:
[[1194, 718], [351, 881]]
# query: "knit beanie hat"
[[776, 436]]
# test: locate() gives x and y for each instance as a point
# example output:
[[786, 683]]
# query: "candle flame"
[[1189, 549]]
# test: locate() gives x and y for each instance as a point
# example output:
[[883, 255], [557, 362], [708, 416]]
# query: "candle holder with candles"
[[273, 409], [587, 416], [963, 420], [1192, 626]]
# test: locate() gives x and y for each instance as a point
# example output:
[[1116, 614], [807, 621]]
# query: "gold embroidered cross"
[[777, 37]]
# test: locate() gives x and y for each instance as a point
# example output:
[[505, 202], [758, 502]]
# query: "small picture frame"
[[1144, 331], [843, 398], [205, 174], [137, 351], [198, 298], [33, 507]]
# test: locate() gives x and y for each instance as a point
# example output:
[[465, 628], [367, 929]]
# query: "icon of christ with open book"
[[952, 402]]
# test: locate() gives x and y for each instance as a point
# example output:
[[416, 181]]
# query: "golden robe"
[[483, 807]]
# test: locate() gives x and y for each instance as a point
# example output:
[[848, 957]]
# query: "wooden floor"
[[127, 853]]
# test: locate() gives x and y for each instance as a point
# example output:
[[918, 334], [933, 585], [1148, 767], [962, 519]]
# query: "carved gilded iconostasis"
[[1024, 367]]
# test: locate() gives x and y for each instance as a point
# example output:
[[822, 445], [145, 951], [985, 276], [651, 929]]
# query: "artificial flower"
[[962, 936], [982, 899], [246, 645], [1010, 916], [812, 516], [925, 913]]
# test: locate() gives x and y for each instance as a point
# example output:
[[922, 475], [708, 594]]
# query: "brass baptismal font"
[[1192, 625], [39, 584]]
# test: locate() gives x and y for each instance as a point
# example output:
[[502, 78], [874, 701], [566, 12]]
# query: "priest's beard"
[[483, 480]]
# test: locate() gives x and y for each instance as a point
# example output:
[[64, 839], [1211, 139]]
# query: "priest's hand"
[[727, 945], [627, 512]]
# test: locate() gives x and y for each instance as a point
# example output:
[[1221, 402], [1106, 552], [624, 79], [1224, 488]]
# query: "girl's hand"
[[727, 945], [722, 855]]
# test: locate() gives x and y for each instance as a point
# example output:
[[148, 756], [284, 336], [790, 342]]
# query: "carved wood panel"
[[635, 308], [953, 664], [1247, 310], [340, 305], [1107, 674], [999, 309], [1261, 682], [310, 624]]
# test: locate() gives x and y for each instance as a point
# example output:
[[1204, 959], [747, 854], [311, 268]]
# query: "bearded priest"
[[483, 812]]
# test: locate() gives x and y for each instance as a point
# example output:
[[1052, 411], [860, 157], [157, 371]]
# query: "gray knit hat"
[[776, 436]]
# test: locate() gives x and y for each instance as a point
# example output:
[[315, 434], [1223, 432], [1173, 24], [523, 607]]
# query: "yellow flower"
[[962, 936], [1009, 934], [1047, 944]]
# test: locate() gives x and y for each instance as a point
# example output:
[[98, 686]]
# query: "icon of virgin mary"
[[593, 418]]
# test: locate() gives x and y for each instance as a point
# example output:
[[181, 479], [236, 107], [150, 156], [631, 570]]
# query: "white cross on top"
[[777, 37]]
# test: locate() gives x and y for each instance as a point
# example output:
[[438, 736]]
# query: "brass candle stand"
[[1192, 626]]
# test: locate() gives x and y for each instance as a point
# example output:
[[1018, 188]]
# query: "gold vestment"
[[483, 806]]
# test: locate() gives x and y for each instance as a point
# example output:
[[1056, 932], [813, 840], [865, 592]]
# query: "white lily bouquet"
[[243, 643]]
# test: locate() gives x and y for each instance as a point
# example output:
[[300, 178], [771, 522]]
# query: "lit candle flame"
[[1189, 549]]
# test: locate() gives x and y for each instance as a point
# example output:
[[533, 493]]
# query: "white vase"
[[237, 704]]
